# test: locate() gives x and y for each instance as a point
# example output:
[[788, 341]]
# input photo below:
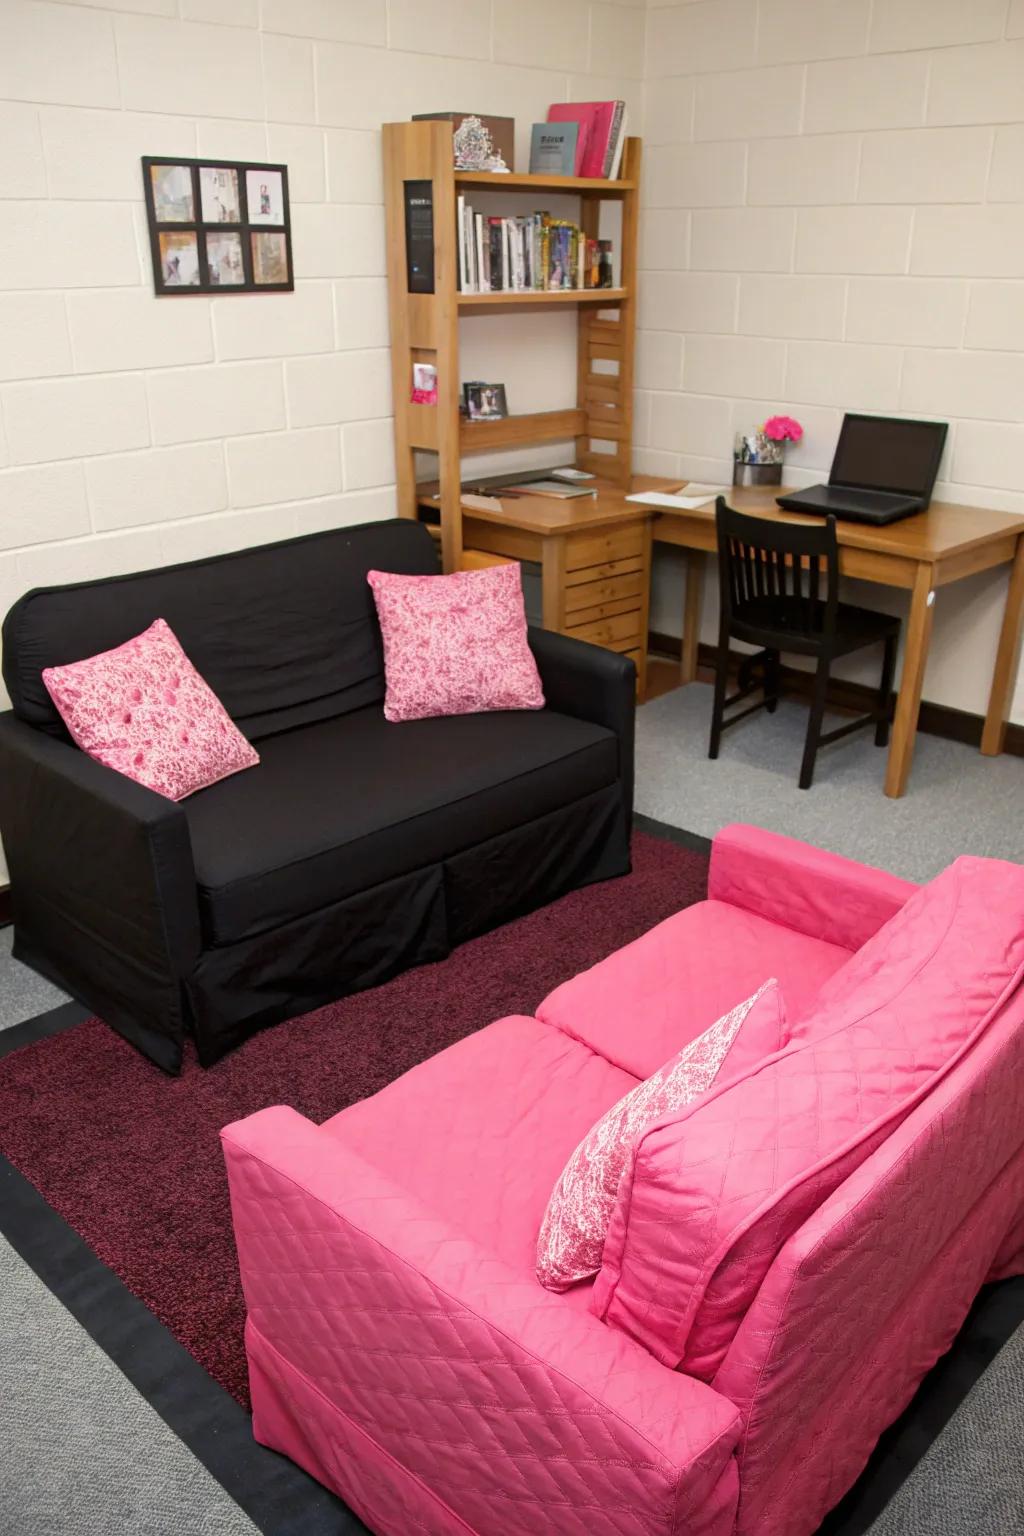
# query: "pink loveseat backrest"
[[872, 1289], [714, 1193]]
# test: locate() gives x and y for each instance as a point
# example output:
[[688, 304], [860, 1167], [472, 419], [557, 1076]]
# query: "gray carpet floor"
[[83, 1454], [81, 1451], [957, 801]]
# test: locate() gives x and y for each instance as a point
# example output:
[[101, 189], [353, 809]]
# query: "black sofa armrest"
[[103, 886], [594, 684]]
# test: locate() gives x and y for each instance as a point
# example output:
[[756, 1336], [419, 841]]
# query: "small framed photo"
[[179, 259], [218, 194], [264, 192], [218, 226], [485, 402], [224, 260], [172, 194], [270, 259]]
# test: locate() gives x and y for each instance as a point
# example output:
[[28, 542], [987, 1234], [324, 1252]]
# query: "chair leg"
[[721, 683], [771, 681], [814, 723], [885, 691]]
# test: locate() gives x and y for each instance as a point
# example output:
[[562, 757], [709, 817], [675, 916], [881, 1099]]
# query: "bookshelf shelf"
[[498, 181], [517, 431], [608, 296], [576, 561]]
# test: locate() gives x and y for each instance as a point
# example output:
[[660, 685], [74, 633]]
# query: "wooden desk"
[[919, 554], [595, 559]]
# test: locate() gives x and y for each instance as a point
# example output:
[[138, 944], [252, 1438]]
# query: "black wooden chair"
[[779, 589]]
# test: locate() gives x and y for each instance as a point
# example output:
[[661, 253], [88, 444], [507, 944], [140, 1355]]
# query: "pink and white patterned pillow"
[[576, 1222], [143, 710], [455, 645]]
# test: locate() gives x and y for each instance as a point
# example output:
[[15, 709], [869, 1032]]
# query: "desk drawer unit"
[[606, 589]]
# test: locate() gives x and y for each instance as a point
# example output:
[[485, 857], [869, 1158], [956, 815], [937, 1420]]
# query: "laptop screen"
[[878, 453]]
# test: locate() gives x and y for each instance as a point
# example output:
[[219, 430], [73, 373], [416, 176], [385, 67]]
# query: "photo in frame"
[[265, 196], [218, 194], [172, 193], [269, 259], [179, 258], [224, 258], [218, 226], [485, 402]]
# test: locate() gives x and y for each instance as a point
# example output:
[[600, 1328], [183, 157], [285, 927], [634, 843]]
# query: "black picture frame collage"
[[218, 226]]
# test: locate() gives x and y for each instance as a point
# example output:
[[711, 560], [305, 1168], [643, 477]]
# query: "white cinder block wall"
[[835, 218], [137, 431]]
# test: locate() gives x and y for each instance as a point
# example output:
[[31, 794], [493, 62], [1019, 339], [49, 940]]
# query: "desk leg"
[[1007, 655], [691, 614], [908, 702], [552, 577]]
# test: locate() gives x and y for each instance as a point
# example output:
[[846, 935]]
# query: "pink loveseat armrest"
[[518, 1411], [803, 887]]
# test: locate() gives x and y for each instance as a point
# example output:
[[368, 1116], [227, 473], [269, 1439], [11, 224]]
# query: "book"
[[618, 141], [478, 239], [461, 233], [531, 252], [686, 499], [597, 121], [555, 488], [553, 149]]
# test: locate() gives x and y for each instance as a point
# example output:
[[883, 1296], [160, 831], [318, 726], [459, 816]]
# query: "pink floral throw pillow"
[[576, 1221], [143, 710], [455, 645]]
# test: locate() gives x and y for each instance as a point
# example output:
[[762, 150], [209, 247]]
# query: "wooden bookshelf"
[[425, 328], [609, 296], [501, 181]]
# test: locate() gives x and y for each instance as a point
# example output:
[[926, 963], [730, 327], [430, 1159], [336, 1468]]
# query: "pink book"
[[595, 119]]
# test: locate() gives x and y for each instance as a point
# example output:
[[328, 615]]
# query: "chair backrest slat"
[[772, 569]]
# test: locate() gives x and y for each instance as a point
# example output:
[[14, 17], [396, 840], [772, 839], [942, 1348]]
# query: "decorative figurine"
[[473, 148]]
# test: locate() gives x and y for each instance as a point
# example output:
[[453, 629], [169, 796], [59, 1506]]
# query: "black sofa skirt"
[[411, 920]]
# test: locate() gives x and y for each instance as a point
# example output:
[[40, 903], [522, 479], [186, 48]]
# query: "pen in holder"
[[756, 460]]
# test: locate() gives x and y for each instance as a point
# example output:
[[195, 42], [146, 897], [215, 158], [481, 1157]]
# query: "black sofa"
[[354, 850]]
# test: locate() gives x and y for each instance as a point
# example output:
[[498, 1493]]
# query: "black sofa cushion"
[[284, 634], [342, 805]]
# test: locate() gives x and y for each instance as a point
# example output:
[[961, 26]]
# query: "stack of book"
[[516, 255], [601, 137]]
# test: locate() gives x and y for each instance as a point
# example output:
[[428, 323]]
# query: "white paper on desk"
[[481, 503], [686, 501]]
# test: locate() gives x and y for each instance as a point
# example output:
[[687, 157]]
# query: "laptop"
[[883, 469]]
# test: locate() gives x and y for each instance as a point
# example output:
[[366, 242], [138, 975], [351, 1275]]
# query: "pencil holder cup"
[[756, 459]]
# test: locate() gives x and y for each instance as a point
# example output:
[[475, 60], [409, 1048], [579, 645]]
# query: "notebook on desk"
[[883, 469]]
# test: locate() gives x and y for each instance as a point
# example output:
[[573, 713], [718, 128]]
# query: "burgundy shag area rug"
[[131, 1160]]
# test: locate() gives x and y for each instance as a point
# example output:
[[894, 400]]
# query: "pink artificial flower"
[[782, 429]]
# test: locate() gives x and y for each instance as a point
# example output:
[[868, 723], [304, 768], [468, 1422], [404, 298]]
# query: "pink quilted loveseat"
[[792, 1258]]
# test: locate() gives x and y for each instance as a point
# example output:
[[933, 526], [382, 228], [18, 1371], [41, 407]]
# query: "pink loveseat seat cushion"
[[713, 1194], [645, 1001], [143, 710], [575, 1225], [455, 645], [480, 1132]]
